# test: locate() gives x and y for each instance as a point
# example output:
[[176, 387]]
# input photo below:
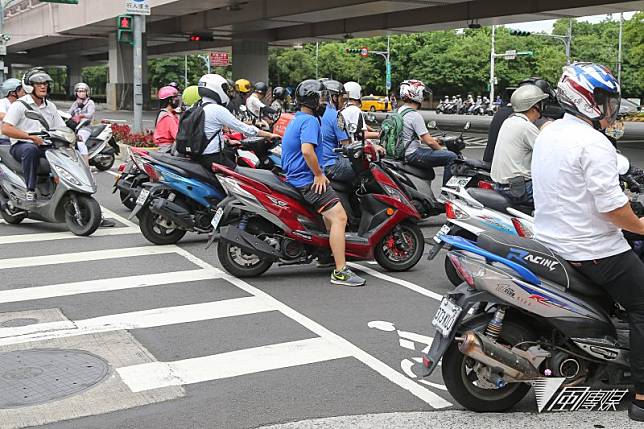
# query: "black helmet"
[[541, 83], [279, 93], [333, 87], [308, 93], [261, 87]]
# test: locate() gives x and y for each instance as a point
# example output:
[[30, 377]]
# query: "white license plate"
[[443, 231], [143, 196], [446, 316], [458, 181], [217, 218]]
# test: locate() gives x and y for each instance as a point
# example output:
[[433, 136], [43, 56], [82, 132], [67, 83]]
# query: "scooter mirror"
[[467, 125], [30, 114], [432, 125], [242, 108], [623, 164]]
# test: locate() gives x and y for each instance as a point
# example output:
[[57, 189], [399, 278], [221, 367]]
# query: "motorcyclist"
[[10, 91], [513, 154], [26, 148], [336, 167], [214, 90], [355, 124], [279, 99], [242, 90], [423, 151], [580, 207], [82, 108], [167, 125], [301, 153], [190, 95], [254, 102]]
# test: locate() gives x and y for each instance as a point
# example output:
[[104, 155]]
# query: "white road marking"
[[434, 385], [406, 344], [154, 375], [113, 173], [135, 320], [97, 255], [66, 235], [24, 221], [105, 285], [404, 283], [111, 214]]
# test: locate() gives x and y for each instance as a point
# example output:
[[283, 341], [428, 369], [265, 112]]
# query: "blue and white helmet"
[[589, 90]]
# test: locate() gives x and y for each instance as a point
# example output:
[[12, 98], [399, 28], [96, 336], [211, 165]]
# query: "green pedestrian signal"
[[124, 24]]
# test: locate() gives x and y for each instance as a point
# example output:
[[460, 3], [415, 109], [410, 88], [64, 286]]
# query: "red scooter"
[[264, 220]]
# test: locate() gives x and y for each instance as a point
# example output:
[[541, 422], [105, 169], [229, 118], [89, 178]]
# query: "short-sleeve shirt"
[[413, 129], [303, 128], [166, 129], [218, 117], [513, 151], [353, 116], [332, 135], [4, 108], [254, 105], [16, 116]]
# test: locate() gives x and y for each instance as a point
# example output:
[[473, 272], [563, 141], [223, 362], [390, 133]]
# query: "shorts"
[[320, 202]]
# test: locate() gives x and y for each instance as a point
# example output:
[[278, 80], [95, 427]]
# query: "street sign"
[[510, 54], [137, 7], [364, 52], [219, 59]]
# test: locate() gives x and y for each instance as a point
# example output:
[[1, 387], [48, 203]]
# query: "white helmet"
[[214, 87], [353, 90], [81, 86], [413, 90]]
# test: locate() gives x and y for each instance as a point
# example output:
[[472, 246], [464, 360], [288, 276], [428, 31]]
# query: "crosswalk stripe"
[[2, 221], [135, 320], [404, 283], [106, 285], [155, 375], [97, 255], [66, 235]]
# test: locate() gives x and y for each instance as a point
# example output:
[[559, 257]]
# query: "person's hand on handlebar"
[[37, 140]]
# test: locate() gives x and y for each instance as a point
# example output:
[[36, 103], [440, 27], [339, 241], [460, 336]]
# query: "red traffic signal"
[[195, 38], [124, 22]]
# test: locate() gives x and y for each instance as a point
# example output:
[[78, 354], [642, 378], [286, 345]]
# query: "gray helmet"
[[527, 96], [81, 85], [9, 86], [35, 75]]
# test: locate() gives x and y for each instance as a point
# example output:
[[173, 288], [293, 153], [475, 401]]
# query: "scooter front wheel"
[[104, 162], [401, 249], [82, 214]]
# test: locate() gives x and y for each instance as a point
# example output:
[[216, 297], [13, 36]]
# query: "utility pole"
[[185, 71], [317, 60], [206, 58], [492, 58], [139, 23], [568, 41], [619, 49]]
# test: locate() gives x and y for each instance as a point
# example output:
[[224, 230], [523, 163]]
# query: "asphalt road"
[[189, 346]]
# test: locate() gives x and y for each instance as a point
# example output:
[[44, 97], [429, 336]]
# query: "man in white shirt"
[[354, 123], [11, 90], [513, 152], [580, 207]]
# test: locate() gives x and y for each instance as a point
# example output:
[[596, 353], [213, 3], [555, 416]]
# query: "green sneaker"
[[346, 277]]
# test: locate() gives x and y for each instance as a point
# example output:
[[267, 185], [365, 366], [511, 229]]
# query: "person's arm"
[[625, 218], [2, 115], [90, 110], [320, 181], [230, 121], [430, 141], [12, 132]]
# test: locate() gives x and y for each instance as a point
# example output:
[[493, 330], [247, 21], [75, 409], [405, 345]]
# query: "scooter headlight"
[[66, 175]]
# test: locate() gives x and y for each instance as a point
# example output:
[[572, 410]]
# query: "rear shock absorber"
[[243, 222], [495, 325]]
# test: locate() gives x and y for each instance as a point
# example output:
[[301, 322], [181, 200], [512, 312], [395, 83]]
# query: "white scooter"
[[101, 145], [64, 189]]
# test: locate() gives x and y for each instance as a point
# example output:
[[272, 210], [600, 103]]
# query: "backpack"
[[390, 135], [191, 136]]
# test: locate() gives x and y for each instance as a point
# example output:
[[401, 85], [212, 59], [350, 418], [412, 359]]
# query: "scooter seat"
[[185, 166], [539, 259], [475, 163], [269, 179], [496, 201], [43, 168], [421, 173], [97, 130]]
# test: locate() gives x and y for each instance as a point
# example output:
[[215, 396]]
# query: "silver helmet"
[[527, 96]]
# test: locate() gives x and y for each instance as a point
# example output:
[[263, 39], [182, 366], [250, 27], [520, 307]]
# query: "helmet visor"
[[608, 104]]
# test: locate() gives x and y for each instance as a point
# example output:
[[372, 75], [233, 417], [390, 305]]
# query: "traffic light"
[[520, 33], [124, 25], [352, 51], [364, 52], [201, 37]]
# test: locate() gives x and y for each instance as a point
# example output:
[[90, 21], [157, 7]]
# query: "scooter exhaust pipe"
[[484, 350], [172, 212]]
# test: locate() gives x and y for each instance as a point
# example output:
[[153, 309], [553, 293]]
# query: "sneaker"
[[107, 223], [325, 261], [346, 277], [30, 198]]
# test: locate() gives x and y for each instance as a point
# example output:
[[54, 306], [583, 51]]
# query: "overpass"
[[85, 34]]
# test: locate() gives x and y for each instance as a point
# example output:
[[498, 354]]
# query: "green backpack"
[[390, 135]]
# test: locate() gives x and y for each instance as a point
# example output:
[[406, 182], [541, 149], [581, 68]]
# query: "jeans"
[[525, 199], [341, 171], [621, 276], [29, 155], [425, 157]]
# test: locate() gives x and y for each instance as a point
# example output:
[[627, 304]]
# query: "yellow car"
[[374, 103]]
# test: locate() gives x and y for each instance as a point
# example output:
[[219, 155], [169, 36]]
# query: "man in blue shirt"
[[335, 166], [301, 152]]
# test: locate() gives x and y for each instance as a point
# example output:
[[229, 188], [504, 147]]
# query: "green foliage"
[[452, 62], [96, 78]]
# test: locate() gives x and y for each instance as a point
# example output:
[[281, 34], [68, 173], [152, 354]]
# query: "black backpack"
[[191, 137]]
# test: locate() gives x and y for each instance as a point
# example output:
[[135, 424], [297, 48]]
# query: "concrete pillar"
[[74, 76], [250, 60], [120, 83]]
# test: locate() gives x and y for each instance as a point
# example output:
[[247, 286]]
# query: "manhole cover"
[[14, 323], [30, 377]]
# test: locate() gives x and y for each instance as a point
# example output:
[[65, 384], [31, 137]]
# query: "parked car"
[[374, 103]]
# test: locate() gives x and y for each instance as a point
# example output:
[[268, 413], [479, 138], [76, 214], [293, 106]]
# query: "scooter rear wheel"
[[391, 253], [11, 219], [90, 215], [156, 233], [106, 164]]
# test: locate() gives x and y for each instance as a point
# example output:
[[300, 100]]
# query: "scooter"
[[264, 220], [523, 316], [65, 185], [101, 145]]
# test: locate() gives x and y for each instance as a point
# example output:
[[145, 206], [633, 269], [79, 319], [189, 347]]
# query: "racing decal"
[[523, 256]]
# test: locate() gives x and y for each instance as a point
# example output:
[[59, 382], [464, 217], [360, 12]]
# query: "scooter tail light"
[[453, 212], [151, 172], [522, 229], [483, 184], [121, 168], [462, 271]]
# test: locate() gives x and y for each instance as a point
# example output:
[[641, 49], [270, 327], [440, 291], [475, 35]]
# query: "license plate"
[[443, 231], [458, 181], [143, 196], [217, 218], [446, 316]]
